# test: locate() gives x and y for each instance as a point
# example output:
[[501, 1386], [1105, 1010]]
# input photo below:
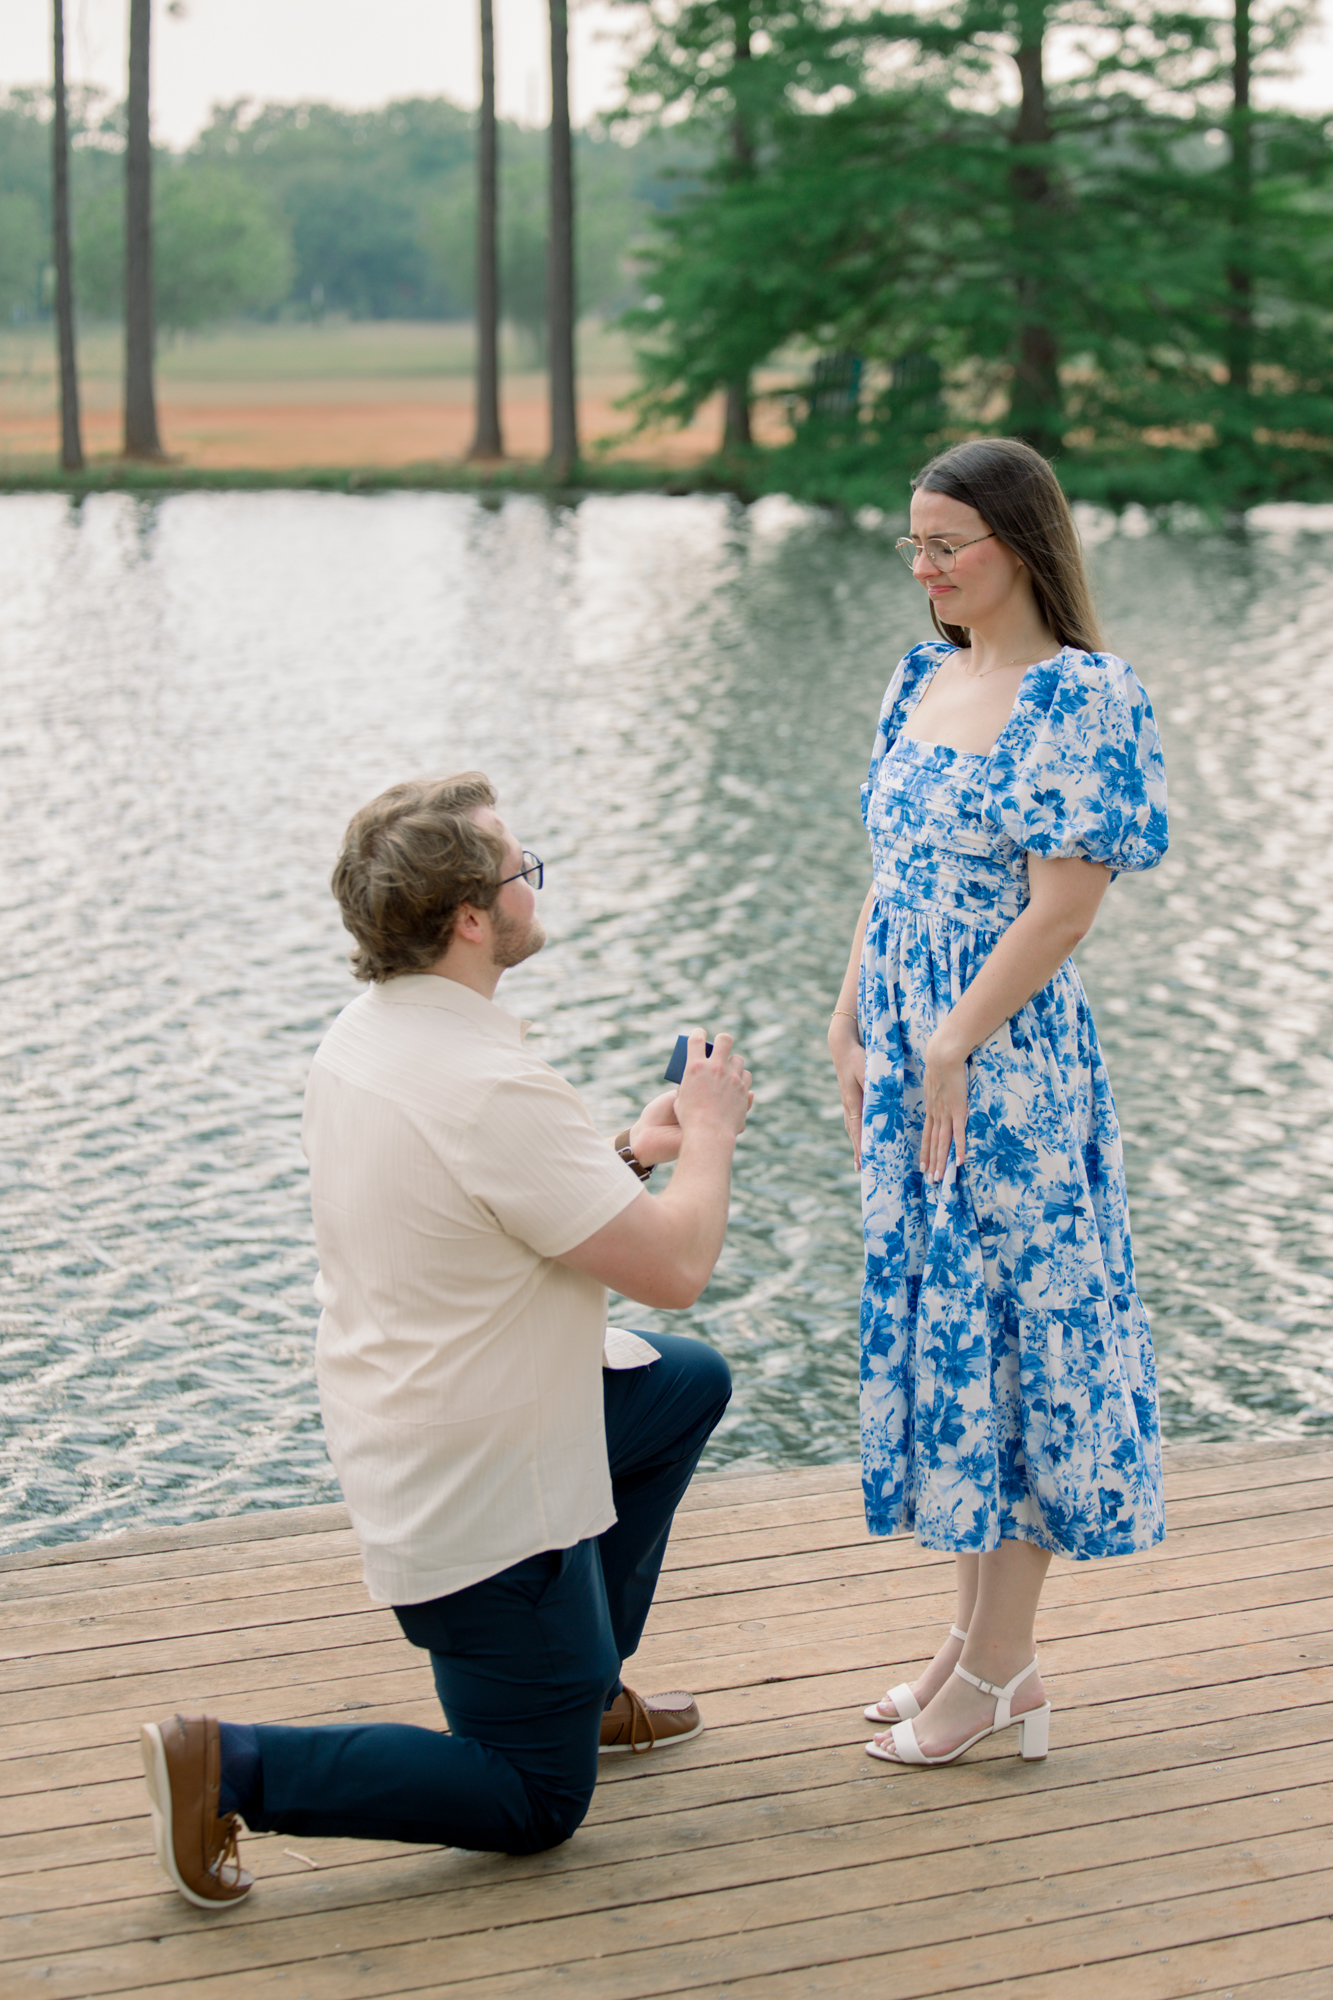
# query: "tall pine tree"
[[141, 433], [71, 440], [1122, 266]]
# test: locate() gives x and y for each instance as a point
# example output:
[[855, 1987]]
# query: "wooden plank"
[[115, 1635], [717, 1489], [762, 1660], [1240, 1526], [1071, 1607], [80, 1620], [1227, 1894], [941, 1856], [699, 1805], [1257, 1472], [118, 1597], [1316, 1985], [267, 1615], [1187, 1454], [955, 1822], [1225, 1966], [43, 1580], [1204, 1469], [1069, 1589], [273, 1524], [802, 1716], [946, 1895], [788, 1617], [302, 1688], [1211, 1510], [869, 1559], [1194, 1689]]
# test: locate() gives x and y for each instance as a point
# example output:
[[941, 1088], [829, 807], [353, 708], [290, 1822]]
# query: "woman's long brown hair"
[[1021, 501]]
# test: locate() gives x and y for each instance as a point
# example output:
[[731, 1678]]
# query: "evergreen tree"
[[560, 304], [1083, 268], [141, 432], [487, 442], [71, 440], [727, 65]]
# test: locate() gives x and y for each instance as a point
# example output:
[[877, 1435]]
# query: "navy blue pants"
[[524, 1662]]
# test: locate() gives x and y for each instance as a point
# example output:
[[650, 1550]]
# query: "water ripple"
[[676, 698]]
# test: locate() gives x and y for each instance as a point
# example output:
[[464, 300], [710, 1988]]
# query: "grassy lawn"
[[343, 393]]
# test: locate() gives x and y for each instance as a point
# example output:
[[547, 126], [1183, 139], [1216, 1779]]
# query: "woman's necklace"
[[1020, 662]]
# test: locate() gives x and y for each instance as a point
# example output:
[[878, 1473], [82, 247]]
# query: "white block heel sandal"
[[903, 1702], [1034, 1727]]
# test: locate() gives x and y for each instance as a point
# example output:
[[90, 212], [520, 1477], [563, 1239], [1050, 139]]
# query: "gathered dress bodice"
[[1007, 1379]]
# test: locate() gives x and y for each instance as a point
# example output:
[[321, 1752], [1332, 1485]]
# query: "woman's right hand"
[[849, 1060]]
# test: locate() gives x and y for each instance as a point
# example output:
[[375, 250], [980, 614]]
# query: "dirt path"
[[282, 426]]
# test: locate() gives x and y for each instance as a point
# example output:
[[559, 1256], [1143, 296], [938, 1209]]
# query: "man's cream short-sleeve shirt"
[[459, 1366]]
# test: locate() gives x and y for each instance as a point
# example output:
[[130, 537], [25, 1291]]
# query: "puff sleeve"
[[1079, 771]]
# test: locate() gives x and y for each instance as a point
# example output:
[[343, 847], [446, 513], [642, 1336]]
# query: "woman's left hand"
[[946, 1104]]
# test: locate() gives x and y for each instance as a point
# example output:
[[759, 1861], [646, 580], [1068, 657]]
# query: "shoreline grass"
[[428, 476]]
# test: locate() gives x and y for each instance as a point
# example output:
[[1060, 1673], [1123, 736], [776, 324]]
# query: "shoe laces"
[[228, 1855], [637, 1714]]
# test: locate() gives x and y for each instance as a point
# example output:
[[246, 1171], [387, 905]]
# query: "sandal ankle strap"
[[1005, 1693]]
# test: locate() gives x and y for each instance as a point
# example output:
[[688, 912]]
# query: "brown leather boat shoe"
[[638, 1723], [182, 1761]]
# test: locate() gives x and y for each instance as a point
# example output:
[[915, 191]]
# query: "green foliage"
[[353, 188], [1121, 267], [219, 249], [376, 209], [25, 192], [24, 254], [382, 206]]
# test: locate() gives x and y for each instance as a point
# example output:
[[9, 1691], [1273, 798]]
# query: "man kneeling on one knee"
[[510, 1465]]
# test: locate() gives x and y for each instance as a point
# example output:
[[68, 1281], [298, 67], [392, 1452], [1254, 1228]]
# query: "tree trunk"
[[1036, 407], [71, 443], [1239, 338], [560, 257], [488, 442], [141, 434], [736, 423]]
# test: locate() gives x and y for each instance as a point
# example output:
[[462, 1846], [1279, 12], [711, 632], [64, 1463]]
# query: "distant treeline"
[[1065, 219], [305, 210], [1068, 219]]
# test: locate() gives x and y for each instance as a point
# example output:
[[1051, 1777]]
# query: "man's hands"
[[661, 1249], [714, 1089], [655, 1135]]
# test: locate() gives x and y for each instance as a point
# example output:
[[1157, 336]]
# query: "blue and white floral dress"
[[1007, 1382]]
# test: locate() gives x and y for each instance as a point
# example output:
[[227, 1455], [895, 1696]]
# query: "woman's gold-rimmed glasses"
[[941, 554]]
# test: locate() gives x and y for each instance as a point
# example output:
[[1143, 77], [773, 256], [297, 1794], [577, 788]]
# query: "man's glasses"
[[939, 553], [532, 871]]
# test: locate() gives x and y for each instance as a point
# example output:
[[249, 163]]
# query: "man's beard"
[[512, 940]]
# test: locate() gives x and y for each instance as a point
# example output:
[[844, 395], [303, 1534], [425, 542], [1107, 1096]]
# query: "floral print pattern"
[[1007, 1380]]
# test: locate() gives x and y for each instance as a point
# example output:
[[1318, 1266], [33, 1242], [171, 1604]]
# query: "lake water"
[[676, 698]]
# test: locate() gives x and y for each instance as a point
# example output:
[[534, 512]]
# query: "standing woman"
[[1008, 1395]]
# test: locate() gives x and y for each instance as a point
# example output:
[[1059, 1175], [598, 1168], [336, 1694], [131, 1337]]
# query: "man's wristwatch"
[[626, 1153]]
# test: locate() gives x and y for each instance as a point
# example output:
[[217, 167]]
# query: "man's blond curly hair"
[[409, 861]]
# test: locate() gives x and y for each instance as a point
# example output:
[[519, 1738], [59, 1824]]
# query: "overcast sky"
[[364, 52]]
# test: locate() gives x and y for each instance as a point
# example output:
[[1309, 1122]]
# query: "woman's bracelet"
[[846, 1013]]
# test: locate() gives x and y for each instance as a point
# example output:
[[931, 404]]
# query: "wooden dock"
[[1176, 1842]]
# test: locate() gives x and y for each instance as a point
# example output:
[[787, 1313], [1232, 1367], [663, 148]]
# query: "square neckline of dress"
[[983, 755]]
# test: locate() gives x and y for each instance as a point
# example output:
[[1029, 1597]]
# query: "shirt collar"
[[428, 989]]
